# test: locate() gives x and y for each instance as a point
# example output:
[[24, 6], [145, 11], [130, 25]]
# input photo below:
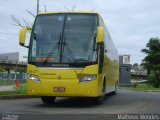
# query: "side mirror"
[[100, 34], [22, 36]]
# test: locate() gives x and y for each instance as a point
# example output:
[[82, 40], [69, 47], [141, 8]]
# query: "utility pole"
[[45, 9], [37, 6]]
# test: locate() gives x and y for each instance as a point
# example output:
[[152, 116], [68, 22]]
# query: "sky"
[[131, 23]]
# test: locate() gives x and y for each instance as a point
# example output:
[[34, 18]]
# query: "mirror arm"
[[21, 44], [26, 46]]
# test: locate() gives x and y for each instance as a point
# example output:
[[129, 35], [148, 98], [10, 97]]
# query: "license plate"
[[58, 89]]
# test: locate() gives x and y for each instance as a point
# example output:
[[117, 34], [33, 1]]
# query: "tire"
[[114, 92], [48, 99], [100, 99]]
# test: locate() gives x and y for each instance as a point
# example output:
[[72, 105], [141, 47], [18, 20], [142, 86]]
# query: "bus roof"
[[80, 12]]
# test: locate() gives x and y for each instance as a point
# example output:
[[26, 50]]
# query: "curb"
[[141, 90], [18, 96]]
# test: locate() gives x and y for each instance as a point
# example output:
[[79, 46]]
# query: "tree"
[[25, 22], [152, 60]]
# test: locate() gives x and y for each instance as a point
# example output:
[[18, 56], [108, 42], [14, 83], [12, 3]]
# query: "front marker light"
[[34, 78], [85, 77]]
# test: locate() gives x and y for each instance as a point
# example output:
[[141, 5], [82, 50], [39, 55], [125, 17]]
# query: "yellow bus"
[[70, 54]]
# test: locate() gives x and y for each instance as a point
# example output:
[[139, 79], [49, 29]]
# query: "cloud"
[[131, 23]]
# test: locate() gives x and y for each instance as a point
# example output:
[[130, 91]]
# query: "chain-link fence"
[[10, 78]]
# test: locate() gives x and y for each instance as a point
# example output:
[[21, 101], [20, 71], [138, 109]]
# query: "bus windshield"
[[64, 38]]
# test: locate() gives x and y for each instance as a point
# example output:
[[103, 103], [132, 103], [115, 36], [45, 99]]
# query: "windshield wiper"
[[51, 52], [69, 51]]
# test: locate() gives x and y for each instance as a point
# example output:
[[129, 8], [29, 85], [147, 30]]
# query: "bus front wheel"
[[48, 99], [100, 99]]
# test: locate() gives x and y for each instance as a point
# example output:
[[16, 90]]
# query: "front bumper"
[[72, 88]]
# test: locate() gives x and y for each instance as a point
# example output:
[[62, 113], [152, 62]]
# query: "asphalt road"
[[126, 101]]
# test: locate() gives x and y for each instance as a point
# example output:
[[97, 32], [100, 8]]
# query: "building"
[[13, 63], [12, 57], [138, 70], [124, 70]]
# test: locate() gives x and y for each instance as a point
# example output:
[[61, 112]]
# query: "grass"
[[142, 87], [21, 90], [10, 82], [6, 82]]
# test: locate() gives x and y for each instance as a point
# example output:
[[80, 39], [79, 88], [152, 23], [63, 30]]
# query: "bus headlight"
[[35, 78], [87, 77]]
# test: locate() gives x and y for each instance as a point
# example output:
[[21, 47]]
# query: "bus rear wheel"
[[48, 99], [114, 92]]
